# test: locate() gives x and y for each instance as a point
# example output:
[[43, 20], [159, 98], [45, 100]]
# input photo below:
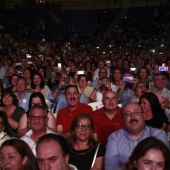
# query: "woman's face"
[[36, 100], [11, 159], [152, 160], [7, 100], [143, 73], [145, 105], [140, 89], [117, 75], [14, 80], [37, 80], [83, 129], [27, 74]]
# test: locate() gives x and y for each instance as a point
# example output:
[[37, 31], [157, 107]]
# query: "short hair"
[[9, 92], [139, 70], [72, 138], [56, 138], [144, 146], [38, 107], [82, 75], [103, 68], [158, 74], [24, 150], [22, 78], [71, 86]]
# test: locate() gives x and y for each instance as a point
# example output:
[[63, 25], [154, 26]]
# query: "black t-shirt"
[[83, 159]]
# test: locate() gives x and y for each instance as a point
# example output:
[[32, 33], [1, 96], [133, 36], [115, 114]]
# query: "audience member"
[[121, 143], [53, 153]]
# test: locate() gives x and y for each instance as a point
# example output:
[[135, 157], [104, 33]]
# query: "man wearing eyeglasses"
[[37, 122], [121, 143]]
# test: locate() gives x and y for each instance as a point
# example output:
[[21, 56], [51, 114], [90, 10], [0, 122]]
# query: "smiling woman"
[[82, 145]]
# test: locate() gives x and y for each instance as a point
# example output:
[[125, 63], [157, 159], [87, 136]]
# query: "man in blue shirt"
[[121, 143]]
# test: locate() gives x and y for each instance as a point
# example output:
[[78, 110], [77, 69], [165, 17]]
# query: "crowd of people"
[[68, 108]]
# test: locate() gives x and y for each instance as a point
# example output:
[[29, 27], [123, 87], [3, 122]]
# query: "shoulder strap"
[[95, 155]]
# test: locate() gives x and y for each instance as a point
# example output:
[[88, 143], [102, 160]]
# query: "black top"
[[157, 121], [83, 159]]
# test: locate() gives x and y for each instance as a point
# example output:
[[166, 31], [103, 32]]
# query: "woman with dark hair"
[[27, 74], [89, 71], [150, 153], [83, 145], [37, 98], [154, 114], [13, 82], [38, 85], [16, 115], [17, 155]]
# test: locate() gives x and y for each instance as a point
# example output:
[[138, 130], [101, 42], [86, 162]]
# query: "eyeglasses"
[[36, 104], [41, 118], [140, 87], [136, 113], [86, 126]]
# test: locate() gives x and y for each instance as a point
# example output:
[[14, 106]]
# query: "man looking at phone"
[[67, 114]]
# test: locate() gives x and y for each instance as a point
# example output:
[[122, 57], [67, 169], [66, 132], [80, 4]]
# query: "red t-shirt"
[[65, 116], [103, 126]]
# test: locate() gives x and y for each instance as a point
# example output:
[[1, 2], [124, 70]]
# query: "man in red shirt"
[[67, 114], [107, 119]]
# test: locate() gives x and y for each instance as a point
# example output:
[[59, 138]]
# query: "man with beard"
[[67, 114], [121, 143], [108, 119], [125, 92]]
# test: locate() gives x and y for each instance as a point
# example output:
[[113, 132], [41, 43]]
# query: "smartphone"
[[163, 68], [80, 72], [18, 64], [59, 65], [102, 82], [133, 69], [127, 79], [28, 56], [66, 80], [151, 86], [29, 62]]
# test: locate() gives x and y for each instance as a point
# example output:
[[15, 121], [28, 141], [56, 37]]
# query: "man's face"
[[21, 85], [102, 73], [37, 120], [119, 63], [133, 118], [159, 81], [50, 156], [72, 96], [110, 100]]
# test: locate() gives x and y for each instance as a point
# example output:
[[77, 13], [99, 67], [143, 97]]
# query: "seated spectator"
[[37, 122], [3, 123], [53, 152], [67, 114], [142, 75], [16, 115], [107, 119], [27, 74], [121, 143], [38, 99], [154, 114], [83, 87], [22, 94], [13, 83], [139, 89], [89, 71], [83, 146], [38, 85], [150, 153], [16, 154]]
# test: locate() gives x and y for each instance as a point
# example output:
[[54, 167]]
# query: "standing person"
[[16, 155], [37, 121], [67, 114], [121, 143], [53, 153], [150, 153], [107, 119], [83, 146], [16, 115]]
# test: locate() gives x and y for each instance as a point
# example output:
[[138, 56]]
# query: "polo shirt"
[[104, 126], [65, 116]]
